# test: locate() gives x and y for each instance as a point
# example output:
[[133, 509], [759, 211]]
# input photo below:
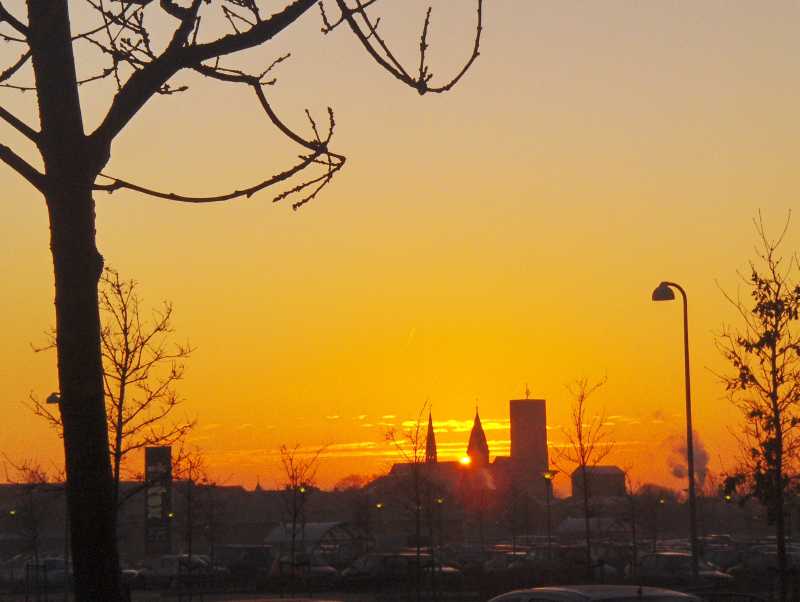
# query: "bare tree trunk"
[[780, 525], [417, 532], [634, 547], [77, 266], [587, 522], [89, 490]]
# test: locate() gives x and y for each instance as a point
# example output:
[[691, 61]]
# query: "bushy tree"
[[764, 381]]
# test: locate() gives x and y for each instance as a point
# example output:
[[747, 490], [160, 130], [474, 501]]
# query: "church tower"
[[478, 448], [430, 443]]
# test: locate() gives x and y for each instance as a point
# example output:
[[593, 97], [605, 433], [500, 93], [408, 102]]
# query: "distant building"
[[528, 440], [522, 470], [604, 481], [430, 442], [478, 448]]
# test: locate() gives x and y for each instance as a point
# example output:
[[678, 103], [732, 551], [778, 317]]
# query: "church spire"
[[430, 442], [478, 448]]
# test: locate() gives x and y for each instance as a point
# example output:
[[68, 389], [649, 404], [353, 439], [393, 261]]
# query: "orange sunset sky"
[[508, 232]]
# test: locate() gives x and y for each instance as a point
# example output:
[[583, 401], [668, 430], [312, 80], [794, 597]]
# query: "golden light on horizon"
[[452, 257]]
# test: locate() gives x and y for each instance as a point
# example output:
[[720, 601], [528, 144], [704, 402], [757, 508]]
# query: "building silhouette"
[[604, 481], [430, 443], [478, 448], [529, 459], [522, 471]]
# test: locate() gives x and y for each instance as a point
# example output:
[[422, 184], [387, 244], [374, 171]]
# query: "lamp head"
[[663, 292], [549, 475]]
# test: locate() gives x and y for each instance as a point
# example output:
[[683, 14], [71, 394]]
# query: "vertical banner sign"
[[158, 500]]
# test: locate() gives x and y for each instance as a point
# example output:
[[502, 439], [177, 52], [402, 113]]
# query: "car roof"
[[604, 592]]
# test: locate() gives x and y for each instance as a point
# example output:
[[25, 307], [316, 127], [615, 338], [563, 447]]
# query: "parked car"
[[396, 568], [48, 572], [672, 569], [760, 563], [610, 593], [310, 569], [12, 570], [175, 569], [133, 578], [248, 564], [723, 557]]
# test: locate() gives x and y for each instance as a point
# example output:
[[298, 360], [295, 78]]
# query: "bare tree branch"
[[145, 83], [379, 50], [16, 24], [22, 167]]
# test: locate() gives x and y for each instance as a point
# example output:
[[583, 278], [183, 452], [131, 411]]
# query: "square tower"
[[529, 441]]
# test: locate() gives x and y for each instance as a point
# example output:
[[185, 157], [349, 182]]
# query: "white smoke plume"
[[676, 457]]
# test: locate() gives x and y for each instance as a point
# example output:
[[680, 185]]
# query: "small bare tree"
[[588, 444], [418, 494], [191, 471], [299, 472], [764, 382], [141, 367], [39, 491]]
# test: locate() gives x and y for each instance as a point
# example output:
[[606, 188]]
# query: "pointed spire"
[[430, 442], [478, 448]]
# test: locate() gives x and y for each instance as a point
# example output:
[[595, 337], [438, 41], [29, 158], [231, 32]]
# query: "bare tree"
[[588, 444], [141, 367], [764, 383], [417, 492], [299, 472], [191, 471], [141, 60], [31, 509]]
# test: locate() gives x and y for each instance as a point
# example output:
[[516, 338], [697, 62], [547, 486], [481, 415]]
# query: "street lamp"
[[661, 502], [548, 476], [728, 499], [663, 292]]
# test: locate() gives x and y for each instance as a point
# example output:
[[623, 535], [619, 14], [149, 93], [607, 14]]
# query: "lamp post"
[[728, 499], [440, 509], [660, 503], [663, 292], [548, 476]]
